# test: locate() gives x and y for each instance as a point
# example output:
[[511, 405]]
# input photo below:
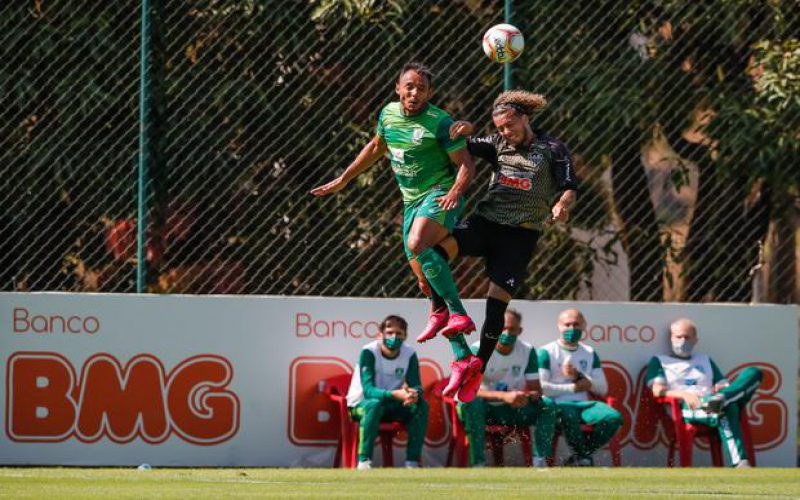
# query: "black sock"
[[437, 302], [436, 299], [441, 251], [492, 328]]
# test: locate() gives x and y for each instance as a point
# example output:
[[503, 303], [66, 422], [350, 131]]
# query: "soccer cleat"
[[460, 372], [744, 464], [458, 323], [436, 321], [412, 464], [472, 381], [540, 462], [364, 465]]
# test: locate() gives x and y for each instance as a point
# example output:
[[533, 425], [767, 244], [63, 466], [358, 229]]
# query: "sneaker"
[[364, 465], [713, 404], [436, 321], [472, 381], [412, 464], [460, 372], [478, 465], [744, 464], [540, 462], [458, 323]]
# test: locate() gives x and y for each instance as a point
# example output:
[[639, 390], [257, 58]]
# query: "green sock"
[[460, 347], [439, 276]]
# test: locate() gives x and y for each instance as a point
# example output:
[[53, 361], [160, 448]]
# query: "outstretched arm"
[[369, 154]]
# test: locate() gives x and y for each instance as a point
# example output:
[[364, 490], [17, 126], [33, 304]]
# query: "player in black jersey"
[[533, 183]]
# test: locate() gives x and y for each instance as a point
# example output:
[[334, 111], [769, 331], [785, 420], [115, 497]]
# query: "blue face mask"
[[507, 339], [573, 335], [392, 343]]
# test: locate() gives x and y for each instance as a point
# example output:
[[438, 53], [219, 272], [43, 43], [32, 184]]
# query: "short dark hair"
[[515, 313], [392, 318], [419, 68]]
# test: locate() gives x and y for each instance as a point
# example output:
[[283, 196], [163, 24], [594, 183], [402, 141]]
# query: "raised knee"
[[615, 420], [415, 244], [758, 373]]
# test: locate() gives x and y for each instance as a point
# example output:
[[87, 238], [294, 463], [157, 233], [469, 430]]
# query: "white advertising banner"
[[235, 380]]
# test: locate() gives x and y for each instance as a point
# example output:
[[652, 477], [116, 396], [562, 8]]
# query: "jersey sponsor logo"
[[404, 171], [398, 155], [514, 182], [536, 158], [510, 282], [417, 135]]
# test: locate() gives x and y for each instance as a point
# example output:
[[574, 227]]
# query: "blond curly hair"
[[521, 101]]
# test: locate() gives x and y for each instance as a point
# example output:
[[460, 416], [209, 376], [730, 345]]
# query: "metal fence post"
[[152, 163]]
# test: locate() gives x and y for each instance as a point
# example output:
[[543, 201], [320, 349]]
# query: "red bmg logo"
[[47, 402]]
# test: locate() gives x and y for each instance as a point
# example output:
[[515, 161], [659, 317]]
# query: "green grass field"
[[425, 484]]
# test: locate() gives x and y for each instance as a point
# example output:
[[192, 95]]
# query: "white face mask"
[[682, 347]]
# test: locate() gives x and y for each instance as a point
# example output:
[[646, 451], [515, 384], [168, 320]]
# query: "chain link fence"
[[684, 118]]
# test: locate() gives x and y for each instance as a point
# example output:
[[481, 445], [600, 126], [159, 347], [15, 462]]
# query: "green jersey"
[[418, 149]]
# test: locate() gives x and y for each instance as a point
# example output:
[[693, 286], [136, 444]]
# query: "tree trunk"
[[640, 234]]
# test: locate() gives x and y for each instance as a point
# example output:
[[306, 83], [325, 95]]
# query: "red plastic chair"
[[496, 435], [613, 445], [681, 435], [347, 446]]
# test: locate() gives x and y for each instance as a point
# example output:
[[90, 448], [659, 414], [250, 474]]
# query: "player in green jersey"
[[416, 135]]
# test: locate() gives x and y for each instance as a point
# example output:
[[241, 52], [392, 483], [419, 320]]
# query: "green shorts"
[[426, 207]]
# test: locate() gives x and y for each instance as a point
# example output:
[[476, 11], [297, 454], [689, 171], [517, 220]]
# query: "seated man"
[[707, 397], [510, 394], [386, 387], [570, 373]]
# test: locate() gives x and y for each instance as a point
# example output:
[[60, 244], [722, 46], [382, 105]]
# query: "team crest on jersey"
[[417, 135], [399, 372], [536, 157], [515, 371], [700, 369], [584, 365]]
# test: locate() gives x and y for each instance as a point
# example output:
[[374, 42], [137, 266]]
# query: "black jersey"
[[525, 181]]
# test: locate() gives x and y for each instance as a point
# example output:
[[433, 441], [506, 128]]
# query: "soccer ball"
[[503, 43]]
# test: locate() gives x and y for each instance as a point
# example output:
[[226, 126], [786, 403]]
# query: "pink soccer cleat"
[[460, 372], [436, 321], [458, 323], [472, 382]]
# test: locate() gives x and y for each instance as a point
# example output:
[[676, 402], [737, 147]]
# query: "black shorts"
[[507, 249]]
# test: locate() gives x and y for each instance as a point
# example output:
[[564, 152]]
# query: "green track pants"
[[573, 414], [371, 412], [737, 395]]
